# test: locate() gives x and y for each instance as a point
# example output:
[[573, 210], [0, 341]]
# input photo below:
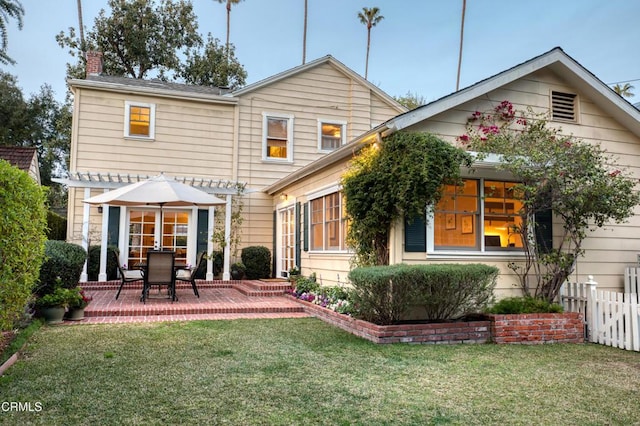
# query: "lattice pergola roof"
[[108, 180]]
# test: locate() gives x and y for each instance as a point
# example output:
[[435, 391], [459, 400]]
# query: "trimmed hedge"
[[22, 237], [384, 294], [524, 305], [257, 260], [93, 264], [63, 261]]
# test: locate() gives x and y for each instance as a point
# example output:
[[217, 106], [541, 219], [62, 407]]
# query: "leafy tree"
[[397, 179], [579, 182], [370, 17], [624, 90], [8, 9], [40, 122], [140, 39], [411, 100], [214, 67], [228, 3]]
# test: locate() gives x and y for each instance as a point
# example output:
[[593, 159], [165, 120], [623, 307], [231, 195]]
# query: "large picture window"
[[278, 137], [327, 223], [478, 215], [139, 120]]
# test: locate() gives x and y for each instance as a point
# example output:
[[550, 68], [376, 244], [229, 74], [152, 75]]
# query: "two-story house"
[[231, 144]]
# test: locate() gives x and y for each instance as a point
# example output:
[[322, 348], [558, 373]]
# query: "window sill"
[[329, 252], [275, 161], [493, 255], [139, 138]]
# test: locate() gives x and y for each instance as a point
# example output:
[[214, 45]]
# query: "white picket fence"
[[611, 318]]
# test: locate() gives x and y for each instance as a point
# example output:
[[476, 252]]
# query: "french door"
[[286, 250], [144, 234]]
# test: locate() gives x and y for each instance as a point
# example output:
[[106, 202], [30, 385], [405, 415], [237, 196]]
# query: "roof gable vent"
[[563, 106]]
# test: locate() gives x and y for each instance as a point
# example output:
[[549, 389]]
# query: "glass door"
[[286, 241], [144, 234]]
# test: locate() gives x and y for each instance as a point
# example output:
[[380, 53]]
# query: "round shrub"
[[257, 260], [63, 263], [22, 237]]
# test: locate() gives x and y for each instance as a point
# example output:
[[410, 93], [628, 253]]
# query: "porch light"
[[100, 209], [283, 196]]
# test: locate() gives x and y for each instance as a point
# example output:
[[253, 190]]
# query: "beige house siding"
[[608, 250], [322, 93]]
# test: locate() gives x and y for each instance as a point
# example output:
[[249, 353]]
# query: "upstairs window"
[[278, 137], [139, 120], [563, 106], [331, 135]]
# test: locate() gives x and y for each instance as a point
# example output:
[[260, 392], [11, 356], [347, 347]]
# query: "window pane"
[[331, 136], [456, 217], [316, 224], [501, 220], [277, 128], [139, 120]]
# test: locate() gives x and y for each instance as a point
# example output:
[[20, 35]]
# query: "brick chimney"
[[94, 63]]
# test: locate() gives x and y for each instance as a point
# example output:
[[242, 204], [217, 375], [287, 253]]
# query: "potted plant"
[[52, 306], [237, 270], [294, 274], [78, 300]]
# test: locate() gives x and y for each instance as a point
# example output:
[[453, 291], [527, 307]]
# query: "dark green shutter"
[[305, 225], [275, 245], [415, 235], [544, 231], [202, 240], [113, 231], [297, 232]]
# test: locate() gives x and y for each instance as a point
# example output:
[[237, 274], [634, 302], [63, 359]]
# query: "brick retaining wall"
[[503, 329]]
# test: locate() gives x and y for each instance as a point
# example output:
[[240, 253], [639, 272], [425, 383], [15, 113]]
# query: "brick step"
[[114, 285], [176, 309], [251, 289], [260, 285]]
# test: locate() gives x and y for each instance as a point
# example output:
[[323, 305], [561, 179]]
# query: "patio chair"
[[189, 275], [159, 272], [126, 275]]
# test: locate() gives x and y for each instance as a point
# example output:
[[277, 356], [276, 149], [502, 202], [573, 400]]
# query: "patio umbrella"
[[157, 191]]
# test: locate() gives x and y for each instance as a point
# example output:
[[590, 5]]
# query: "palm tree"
[[229, 3], [624, 90], [8, 9], [304, 34], [81, 27], [464, 8], [370, 18]]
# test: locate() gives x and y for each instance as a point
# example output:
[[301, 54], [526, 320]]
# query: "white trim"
[[323, 191], [289, 118], [152, 120], [343, 132]]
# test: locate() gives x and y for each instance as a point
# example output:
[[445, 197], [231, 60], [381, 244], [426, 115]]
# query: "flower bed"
[[502, 329]]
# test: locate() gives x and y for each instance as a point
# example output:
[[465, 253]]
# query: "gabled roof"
[[328, 59], [24, 158], [559, 62], [556, 59]]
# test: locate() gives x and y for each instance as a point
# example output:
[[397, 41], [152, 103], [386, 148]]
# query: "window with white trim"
[[479, 215], [331, 135], [139, 120], [327, 223], [277, 144]]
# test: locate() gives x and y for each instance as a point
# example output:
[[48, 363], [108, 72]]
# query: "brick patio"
[[218, 300]]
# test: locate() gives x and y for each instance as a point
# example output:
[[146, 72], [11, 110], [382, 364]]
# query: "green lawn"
[[302, 371]]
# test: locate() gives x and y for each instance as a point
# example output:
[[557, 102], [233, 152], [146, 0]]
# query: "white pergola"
[[108, 181]]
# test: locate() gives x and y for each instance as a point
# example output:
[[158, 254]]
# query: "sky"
[[413, 49]]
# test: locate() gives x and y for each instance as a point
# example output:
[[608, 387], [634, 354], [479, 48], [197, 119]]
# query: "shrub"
[[22, 237], [307, 285], [383, 294], [257, 259], [56, 226], [93, 263], [451, 291], [524, 305], [63, 262]]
